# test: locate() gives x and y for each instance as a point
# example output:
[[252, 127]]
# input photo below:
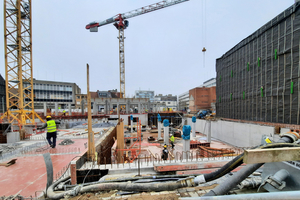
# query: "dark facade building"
[[2, 95], [258, 79]]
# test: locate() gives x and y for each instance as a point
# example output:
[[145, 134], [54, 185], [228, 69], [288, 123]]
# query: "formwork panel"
[[258, 79]]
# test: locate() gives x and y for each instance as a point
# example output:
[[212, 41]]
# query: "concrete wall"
[[236, 133], [13, 137]]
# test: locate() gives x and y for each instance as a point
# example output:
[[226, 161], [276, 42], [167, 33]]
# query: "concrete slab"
[[29, 174], [161, 167]]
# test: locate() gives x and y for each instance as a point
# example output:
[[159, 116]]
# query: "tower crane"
[[120, 22], [18, 63]]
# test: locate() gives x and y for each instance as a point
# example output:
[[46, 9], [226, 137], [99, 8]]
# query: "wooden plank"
[[120, 141], [271, 155], [91, 140], [151, 153]]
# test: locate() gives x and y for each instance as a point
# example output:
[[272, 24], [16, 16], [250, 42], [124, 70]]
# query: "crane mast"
[[18, 62], [121, 24], [122, 62]]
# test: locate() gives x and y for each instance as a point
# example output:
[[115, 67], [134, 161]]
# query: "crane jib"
[[136, 12], [110, 20]]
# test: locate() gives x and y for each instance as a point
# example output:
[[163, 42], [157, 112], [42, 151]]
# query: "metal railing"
[[149, 160]]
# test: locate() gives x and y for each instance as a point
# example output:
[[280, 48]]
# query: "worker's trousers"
[[49, 136]]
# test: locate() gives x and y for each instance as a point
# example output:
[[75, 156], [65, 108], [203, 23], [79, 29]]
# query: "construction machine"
[[121, 23]]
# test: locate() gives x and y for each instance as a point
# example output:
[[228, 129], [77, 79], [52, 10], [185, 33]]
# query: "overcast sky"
[[163, 49]]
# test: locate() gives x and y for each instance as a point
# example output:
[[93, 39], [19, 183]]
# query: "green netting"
[[272, 85]]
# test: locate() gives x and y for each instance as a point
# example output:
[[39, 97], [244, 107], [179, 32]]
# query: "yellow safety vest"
[[51, 126], [172, 139]]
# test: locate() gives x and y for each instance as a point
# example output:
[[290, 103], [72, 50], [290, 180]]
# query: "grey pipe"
[[242, 174], [254, 196], [145, 187], [154, 178], [234, 180]]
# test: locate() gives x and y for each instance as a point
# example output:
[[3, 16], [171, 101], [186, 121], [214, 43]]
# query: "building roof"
[[94, 94]]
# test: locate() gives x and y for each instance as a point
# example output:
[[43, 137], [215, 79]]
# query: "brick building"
[[202, 98]]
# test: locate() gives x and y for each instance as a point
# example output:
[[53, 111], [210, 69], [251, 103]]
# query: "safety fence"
[[179, 157]]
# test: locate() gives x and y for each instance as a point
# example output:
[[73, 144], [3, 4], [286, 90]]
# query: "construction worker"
[[64, 113], [51, 130], [165, 153], [172, 139]]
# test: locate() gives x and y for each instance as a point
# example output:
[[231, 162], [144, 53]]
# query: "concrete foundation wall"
[[236, 133]]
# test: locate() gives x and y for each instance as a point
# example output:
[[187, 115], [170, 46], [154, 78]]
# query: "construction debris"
[[7, 148], [196, 144], [83, 124], [9, 163], [215, 152], [66, 142]]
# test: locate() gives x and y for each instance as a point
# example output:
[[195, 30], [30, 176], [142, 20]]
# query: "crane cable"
[[204, 30]]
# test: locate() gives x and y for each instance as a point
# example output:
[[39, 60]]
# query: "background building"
[[63, 93], [183, 101], [145, 94], [193, 100], [258, 79], [81, 99], [109, 94], [209, 83], [202, 98], [167, 102], [2, 95]]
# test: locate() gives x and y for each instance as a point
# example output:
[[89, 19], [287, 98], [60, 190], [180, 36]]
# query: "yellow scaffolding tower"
[[18, 62]]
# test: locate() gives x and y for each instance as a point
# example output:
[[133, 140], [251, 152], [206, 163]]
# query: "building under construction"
[[250, 150], [258, 79]]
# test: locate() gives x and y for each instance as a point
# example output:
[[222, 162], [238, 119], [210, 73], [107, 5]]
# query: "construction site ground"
[[28, 176], [154, 148]]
